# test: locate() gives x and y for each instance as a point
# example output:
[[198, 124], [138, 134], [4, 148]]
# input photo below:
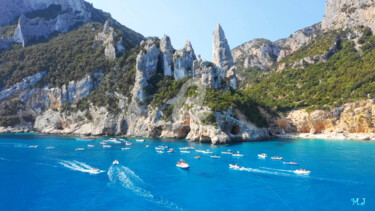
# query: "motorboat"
[[235, 166], [277, 158], [80, 149], [125, 148], [33, 146], [164, 146], [263, 155], [184, 151], [103, 142], [121, 139], [302, 171], [140, 140], [206, 152], [90, 145], [160, 151], [113, 140], [237, 154], [215, 156], [182, 164], [128, 144], [159, 148], [50, 147], [171, 150], [115, 162], [227, 152], [199, 150], [184, 148], [147, 146], [197, 157], [95, 171], [290, 163], [106, 146]]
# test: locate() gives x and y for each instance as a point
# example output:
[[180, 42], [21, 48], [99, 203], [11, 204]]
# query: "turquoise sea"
[[342, 175]]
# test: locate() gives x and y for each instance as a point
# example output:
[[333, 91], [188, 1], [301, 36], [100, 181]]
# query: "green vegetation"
[[46, 14], [167, 113], [192, 91], [7, 32], [210, 119], [236, 99], [162, 88], [318, 46], [347, 76]]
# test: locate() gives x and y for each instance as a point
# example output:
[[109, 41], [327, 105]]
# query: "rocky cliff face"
[[264, 54], [343, 14], [358, 117]]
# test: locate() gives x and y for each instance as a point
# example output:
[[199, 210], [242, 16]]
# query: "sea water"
[[342, 175]]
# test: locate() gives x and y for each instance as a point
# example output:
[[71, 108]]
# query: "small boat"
[[113, 140], [215, 156], [237, 154], [227, 152], [206, 152], [199, 150], [128, 144], [171, 150], [184, 151], [121, 139], [263, 155], [147, 146], [125, 148], [290, 163], [80, 149], [164, 146], [33, 146], [235, 166], [50, 147], [277, 158], [103, 142], [90, 145], [106, 146], [140, 140], [182, 164], [95, 171], [159, 148], [160, 151], [115, 162], [302, 171], [197, 157]]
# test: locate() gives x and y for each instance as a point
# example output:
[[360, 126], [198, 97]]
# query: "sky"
[[195, 20]]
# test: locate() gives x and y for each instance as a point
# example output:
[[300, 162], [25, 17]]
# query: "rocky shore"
[[332, 136]]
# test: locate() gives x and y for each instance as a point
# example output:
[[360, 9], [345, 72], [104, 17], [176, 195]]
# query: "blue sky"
[[195, 20]]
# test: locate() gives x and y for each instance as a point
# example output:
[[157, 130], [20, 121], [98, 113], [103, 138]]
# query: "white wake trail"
[[79, 166]]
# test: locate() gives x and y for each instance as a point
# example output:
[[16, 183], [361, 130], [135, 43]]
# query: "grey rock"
[[183, 61], [166, 55], [222, 56]]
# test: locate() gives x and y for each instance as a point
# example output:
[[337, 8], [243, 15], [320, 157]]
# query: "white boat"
[[184, 151], [199, 150], [197, 157], [171, 150], [182, 164], [115, 162], [160, 151], [33, 146], [103, 142], [227, 152], [90, 145], [140, 140], [204, 151], [106, 146], [94, 171], [147, 146], [235, 166], [164, 146], [290, 163], [263, 155], [121, 139], [128, 144], [125, 148], [215, 156], [159, 148], [302, 171], [113, 140], [237, 154], [80, 149], [277, 158], [50, 147]]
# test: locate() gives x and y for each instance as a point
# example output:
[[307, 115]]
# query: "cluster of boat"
[[299, 171]]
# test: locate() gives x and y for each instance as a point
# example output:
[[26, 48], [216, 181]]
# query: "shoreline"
[[332, 136]]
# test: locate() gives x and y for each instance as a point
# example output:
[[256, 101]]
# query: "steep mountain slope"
[[318, 80]]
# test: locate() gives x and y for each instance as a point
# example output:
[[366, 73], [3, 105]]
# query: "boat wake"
[[4, 159], [79, 166], [130, 181]]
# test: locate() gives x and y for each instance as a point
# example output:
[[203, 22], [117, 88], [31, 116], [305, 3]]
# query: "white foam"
[[129, 180], [79, 166]]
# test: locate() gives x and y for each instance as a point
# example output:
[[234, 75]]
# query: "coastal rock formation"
[[183, 61], [146, 66], [166, 56], [21, 86], [358, 117], [221, 55], [106, 38], [345, 14]]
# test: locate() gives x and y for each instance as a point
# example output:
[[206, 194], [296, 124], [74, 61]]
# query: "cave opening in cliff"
[[236, 129]]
